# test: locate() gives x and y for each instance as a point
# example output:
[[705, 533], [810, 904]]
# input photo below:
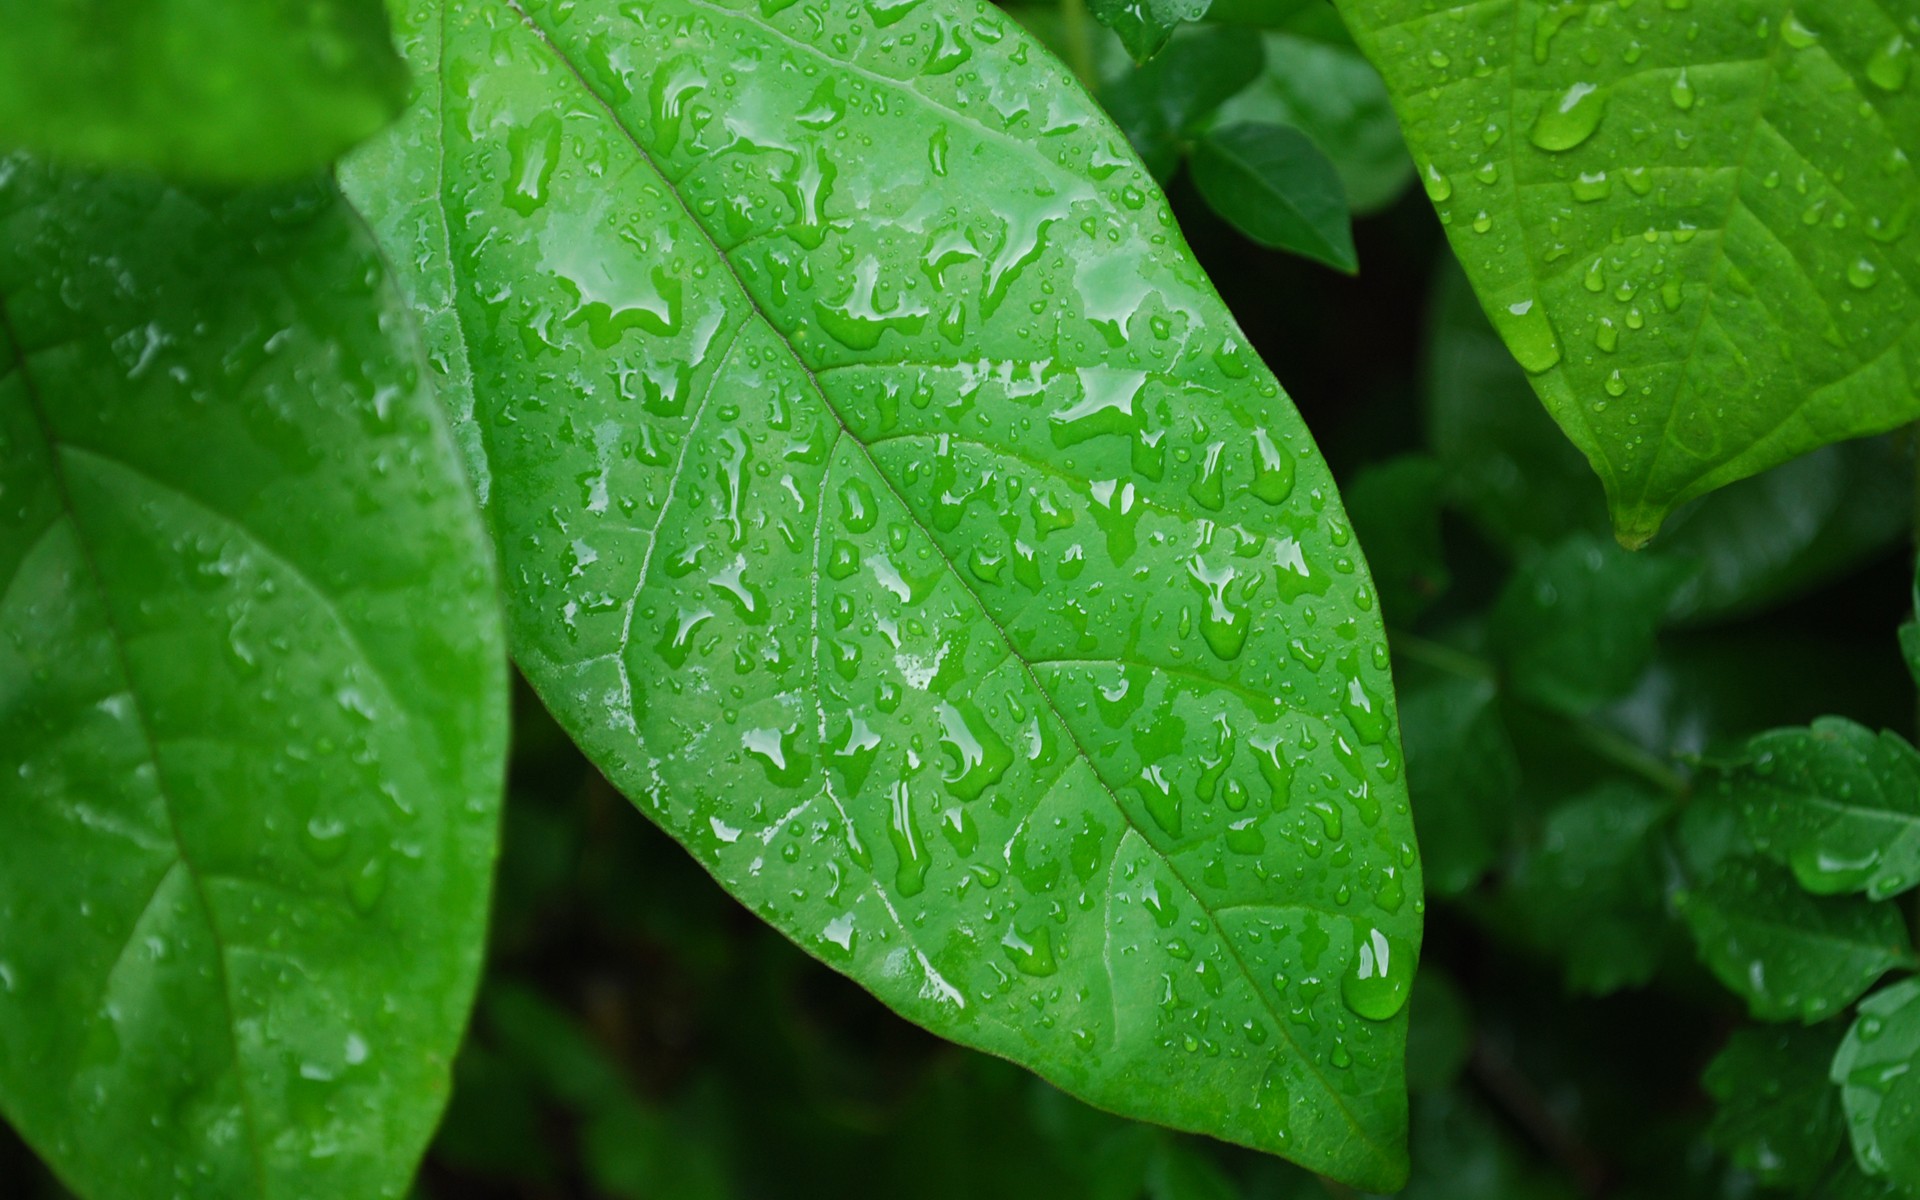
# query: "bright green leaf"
[[1159, 106], [1589, 891], [1878, 1070], [1274, 185], [254, 724], [1791, 955], [893, 511], [1688, 225], [1575, 627], [223, 92], [1462, 776], [1333, 94], [1777, 1115], [1145, 25], [1836, 802]]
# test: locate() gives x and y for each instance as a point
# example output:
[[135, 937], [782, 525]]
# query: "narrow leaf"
[[1689, 226], [1878, 1070], [201, 89], [895, 513], [1274, 185], [254, 722]]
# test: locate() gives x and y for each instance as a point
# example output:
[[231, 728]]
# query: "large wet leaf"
[[891, 508], [1689, 222], [205, 89], [252, 685]]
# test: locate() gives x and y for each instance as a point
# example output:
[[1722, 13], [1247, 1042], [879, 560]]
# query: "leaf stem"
[[1628, 756], [1077, 31]]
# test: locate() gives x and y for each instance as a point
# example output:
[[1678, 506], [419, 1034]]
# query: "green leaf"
[[1755, 542], [254, 729], [1848, 1182], [1183, 1172], [201, 89], [1395, 508], [1688, 226], [1836, 802], [1332, 94], [1274, 185], [1145, 25], [895, 513], [1439, 1032], [1777, 1115], [1462, 776], [1589, 890], [1879, 1085], [1159, 106], [1792, 956], [1575, 627]]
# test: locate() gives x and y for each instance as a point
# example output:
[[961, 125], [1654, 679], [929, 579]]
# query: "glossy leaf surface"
[[253, 723], [1274, 185], [202, 89], [1144, 26], [890, 507], [1880, 1085], [1778, 1116], [1689, 223], [1836, 802]]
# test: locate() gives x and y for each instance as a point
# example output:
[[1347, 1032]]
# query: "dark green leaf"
[[1395, 508], [1439, 1032], [1274, 185], [897, 516], [1848, 1182], [1778, 1116], [205, 89], [1461, 775], [1575, 627], [1792, 956], [1836, 802], [1180, 1171], [1333, 94], [254, 723], [1145, 25], [1688, 226], [1878, 1070], [1589, 891], [1159, 106]]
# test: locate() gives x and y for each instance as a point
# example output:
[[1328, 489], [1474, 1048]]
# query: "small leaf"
[[1589, 891], [1777, 1114], [202, 89], [1878, 1070], [1575, 628], [897, 516], [254, 723], [1462, 776], [1697, 251], [1145, 25], [1274, 185], [1330, 92], [1836, 802], [1161, 104], [1792, 956]]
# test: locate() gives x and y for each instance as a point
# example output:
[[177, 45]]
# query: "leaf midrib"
[[144, 724], [672, 189]]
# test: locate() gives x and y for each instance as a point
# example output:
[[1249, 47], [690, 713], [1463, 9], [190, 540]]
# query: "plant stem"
[[1628, 757], [1078, 31]]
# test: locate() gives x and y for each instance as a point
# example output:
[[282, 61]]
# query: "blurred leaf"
[[1041, 720], [1848, 1182], [1464, 1154], [1590, 890], [1878, 1070], [1145, 25], [203, 89], [492, 1125], [1333, 95], [1777, 1114], [1575, 627], [1439, 1032], [1274, 185], [1395, 510], [1790, 955], [253, 717], [1836, 802], [1752, 326], [1182, 1171], [1280, 14], [1160, 105], [1461, 776]]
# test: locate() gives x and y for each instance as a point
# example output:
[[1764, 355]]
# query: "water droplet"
[[1379, 979], [1528, 334], [1571, 120], [1681, 93], [1891, 64], [1863, 273], [1592, 185], [1438, 186]]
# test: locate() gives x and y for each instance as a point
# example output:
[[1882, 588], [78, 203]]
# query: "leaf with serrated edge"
[[1879, 1086], [889, 505], [1689, 227], [255, 716]]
